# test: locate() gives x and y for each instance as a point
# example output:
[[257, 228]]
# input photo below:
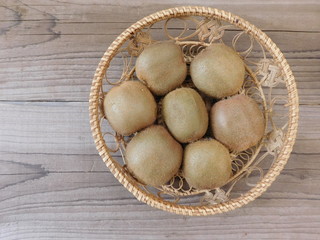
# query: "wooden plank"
[[43, 163], [63, 128], [42, 132], [67, 76], [284, 15], [22, 46], [55, 202]]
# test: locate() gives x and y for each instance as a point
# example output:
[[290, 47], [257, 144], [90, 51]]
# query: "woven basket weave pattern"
[[121, 174]]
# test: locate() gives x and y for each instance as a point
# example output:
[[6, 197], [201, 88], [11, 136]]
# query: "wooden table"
[[53, 184]]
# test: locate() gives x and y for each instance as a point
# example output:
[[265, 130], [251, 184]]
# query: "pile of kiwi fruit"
[[199, 126]]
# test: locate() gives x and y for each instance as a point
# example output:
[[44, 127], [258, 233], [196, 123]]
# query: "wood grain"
[[50, 173], [53, 184], [55, 54]]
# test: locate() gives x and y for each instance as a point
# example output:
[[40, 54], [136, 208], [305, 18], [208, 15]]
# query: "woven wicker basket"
[[278, 141]]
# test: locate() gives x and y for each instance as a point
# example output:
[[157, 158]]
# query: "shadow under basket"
[[269, 81]]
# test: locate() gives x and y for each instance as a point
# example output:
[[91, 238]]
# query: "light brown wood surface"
[[53, 184]]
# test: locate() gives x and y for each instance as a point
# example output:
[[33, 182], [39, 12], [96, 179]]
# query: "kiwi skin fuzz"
[[185, 114], [161, 67], [237, 122], [153, 156], [206, 164], [218, 71], [130, 107]]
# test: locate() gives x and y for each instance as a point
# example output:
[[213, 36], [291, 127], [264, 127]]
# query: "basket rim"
[[115, 167]]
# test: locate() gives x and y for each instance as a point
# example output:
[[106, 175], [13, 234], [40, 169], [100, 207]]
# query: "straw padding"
[[116, 168]]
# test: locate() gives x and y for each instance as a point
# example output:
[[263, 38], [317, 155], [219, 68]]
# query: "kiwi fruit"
[[185, 114], [161, 67], [153, 156], [218, 71], [206, 164], [237, 122], [130, 107]]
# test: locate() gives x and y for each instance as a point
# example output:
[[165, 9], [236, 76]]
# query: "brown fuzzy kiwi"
[[206, 164], [185, 114], [153, 156], [237, 122], [161, 67], [130, 107], [218, 71]]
